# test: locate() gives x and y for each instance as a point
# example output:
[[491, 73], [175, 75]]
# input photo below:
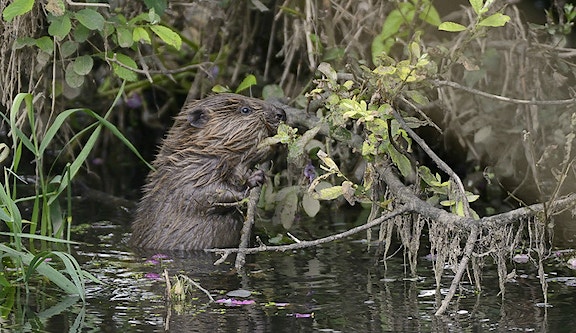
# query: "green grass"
[[49, 226]]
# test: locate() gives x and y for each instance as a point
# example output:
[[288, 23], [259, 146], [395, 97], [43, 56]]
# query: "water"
[[339, 287]]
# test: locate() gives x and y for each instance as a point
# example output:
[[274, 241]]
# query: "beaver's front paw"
[[256, 178]]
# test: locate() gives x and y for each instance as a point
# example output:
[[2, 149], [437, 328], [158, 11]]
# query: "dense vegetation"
[[434, 122]]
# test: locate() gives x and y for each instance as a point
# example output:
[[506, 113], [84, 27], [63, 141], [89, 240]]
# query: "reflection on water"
[[338, 287]]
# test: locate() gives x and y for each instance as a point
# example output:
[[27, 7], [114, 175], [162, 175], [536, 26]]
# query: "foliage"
[[47, 224]]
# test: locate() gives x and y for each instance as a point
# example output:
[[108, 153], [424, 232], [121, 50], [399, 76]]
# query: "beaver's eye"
[[245, 110]]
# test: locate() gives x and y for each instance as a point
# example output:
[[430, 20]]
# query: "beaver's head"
[[227, 127]]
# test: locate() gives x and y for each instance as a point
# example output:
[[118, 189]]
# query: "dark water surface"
[[339, 287]]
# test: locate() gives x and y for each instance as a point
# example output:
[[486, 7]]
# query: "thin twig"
[[247, 227], [87, 4], [502, 98], [439, 162], [304, 244]]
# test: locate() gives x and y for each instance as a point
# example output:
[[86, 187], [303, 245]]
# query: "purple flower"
[[134, 100], [303, 315], [152, 262], [310, 172], [160, 256], [153, 276]]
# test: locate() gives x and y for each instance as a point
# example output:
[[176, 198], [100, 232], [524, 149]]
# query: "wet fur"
[[205, 160]]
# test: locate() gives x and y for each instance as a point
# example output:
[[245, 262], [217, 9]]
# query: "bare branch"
[[502, 98]]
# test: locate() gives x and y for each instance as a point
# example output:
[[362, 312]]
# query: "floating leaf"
[[167, 35], [451, 27], [90, 18], [495, 20]]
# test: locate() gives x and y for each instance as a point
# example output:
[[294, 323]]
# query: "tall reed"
[[48, 224]]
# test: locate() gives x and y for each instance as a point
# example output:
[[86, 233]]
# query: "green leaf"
[[73, 79], [46, 270], [330, 193], [140, 34], [45, 44], [167, 35], [477, 6], [311, 206], [125, 36], [401, 161], [23, 41], [159, 6], [60, 26], [123, 72], [272, 91], [249, 81], [430, 15], [495, 20], [83, 65], [91, 19], [17, 8], [68, 48], [286, 206], [81, 34], [221, 89], [451, 27], [417, 97]]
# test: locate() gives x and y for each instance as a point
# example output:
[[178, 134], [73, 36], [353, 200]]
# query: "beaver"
[[204, 165]]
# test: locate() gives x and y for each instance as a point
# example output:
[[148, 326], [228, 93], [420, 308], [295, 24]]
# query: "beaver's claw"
[[256, 178]]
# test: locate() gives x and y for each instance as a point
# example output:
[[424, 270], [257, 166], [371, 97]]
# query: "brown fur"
[[206, 159]]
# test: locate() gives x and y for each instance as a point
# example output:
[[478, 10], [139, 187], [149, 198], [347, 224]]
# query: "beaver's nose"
[[280, 114]]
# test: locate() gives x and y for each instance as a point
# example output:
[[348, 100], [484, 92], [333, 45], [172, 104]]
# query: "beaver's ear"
[[198, 117]]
